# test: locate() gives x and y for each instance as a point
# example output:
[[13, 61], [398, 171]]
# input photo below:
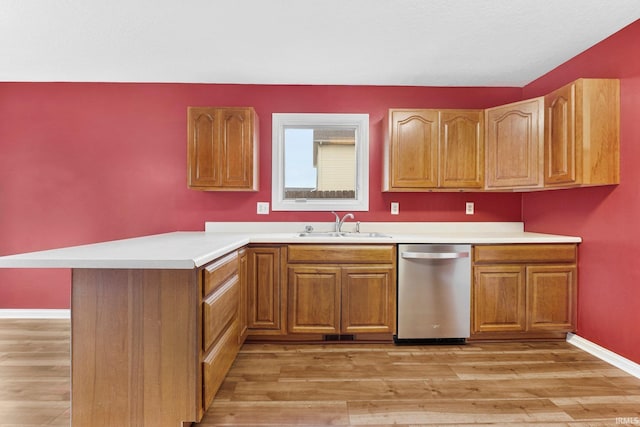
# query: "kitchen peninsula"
[[157, 320]]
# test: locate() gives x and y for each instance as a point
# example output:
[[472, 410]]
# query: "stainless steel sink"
[[371, 235], [342, 234], [320, 234]]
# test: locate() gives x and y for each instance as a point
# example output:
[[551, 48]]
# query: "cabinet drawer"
[[356, 254], [220, 270], [525, 253], [219, 308], [217, 362]]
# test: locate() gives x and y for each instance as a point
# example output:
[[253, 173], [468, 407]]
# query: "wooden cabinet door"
[[499, 298], [368, 299], [204, 147], [222, 148], [461, 149], [414, 149], [243, 273], [551, 297], [265, 290], [582, 134], [559, 129], [314, 299], [515, 145], [237, 148]]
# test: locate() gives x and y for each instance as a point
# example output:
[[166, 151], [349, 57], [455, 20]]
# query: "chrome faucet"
[[339, 221]]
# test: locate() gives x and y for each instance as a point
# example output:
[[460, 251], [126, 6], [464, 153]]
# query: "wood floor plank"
[[601, 407], [276, 414], [440, 412], [525, 388], [330, 390], [34, 373], [537, 370]]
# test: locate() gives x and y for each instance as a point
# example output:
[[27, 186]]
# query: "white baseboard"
[[35, 313], [602, 353]]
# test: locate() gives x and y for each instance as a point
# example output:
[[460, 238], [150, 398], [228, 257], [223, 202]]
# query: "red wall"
[[606, 217], [89, 162]]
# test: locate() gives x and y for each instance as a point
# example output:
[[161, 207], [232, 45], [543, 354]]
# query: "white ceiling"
[[355, 42]]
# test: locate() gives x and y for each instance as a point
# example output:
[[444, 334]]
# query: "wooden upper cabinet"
[[569, 138], [431, 149], [582, 134], [461, 149], [559, 136], [222, 149], [515, 145], [413, 149]]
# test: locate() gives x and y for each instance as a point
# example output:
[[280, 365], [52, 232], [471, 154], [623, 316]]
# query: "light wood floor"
[[552, 384], [536, 384], [34, 373]]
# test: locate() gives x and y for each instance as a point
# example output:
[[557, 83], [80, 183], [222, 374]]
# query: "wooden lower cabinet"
[[346, 290], [368, 299], [524, 291], [314, 299], [266, 299], [222, 289], [499, 298], [551, 294], [135, 348], [179, 331], [164, 339]]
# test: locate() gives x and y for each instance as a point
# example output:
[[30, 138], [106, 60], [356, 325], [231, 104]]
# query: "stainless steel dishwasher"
[[434, 293]]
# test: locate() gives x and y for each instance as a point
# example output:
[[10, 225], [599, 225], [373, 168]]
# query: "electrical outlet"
[[395, 208], [469, 210], [263, 208]]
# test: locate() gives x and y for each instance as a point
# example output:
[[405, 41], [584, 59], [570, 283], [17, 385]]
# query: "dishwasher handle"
[[434, 255]]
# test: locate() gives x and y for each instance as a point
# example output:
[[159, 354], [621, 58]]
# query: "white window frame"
[[280, 121]]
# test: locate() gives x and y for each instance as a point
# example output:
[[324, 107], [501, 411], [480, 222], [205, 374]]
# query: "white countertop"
[[179, 250], [187, 250]]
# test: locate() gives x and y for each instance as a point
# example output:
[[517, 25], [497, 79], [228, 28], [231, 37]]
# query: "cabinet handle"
[[220, 262], [434, 255], [221, 290]]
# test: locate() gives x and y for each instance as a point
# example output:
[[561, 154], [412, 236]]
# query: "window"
[[320, 162]]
